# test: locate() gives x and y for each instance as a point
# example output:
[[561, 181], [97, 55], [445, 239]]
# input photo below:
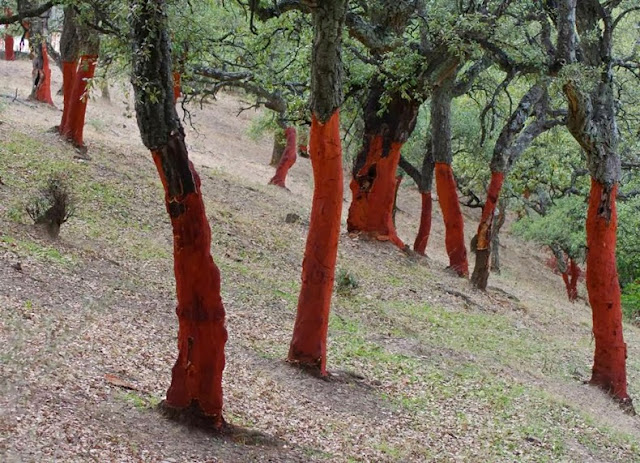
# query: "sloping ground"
[[426, 368]]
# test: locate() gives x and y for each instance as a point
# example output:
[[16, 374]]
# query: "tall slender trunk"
[[445, 181], [309, 341], [373, 182], [287, 159], [196, 383]]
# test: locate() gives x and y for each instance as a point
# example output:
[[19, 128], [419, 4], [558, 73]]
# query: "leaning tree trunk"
[[373, 182], [309, 342], [445, 181], [69, 57], [514, 139], [89, 46], [287, 159], [196, 383]]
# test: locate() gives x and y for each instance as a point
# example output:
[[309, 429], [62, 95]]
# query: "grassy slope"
[[423, 373]]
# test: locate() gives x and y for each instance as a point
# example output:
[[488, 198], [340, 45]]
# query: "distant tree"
[[561, 228]]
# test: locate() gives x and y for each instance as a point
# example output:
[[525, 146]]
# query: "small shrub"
[[53, 205], [346, 282]]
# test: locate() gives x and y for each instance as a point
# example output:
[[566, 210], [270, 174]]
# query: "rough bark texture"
[[279, 146], [326, 77], [445, 181], [309, 342], [196, 383], [287, 159], [592, 123], [374, 174], [480, 275], [498, 222]]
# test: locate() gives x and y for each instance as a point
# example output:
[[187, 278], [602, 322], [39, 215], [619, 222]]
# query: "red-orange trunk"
[[69, 69], [482, 267], [177, 86], [43, 89], [287, 159], [453, 221], [420, 245], [609, 365], [197, 374], [373, 191], [309, 343], [74, 126], [570, 278], [574, 272], [9, 53]]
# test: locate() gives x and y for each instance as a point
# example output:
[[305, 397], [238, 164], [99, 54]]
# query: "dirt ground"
[[424, 367]]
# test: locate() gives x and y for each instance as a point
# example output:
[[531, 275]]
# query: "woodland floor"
[[427, 369]]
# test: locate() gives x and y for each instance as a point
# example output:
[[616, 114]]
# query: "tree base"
[[193, 416]]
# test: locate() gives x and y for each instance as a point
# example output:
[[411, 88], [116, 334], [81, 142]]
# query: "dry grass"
[[421, 373]]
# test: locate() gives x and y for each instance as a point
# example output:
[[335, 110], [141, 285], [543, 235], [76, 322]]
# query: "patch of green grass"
[[139, 400], [38, 251]]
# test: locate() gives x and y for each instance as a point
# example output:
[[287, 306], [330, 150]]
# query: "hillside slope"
[[426, 369]]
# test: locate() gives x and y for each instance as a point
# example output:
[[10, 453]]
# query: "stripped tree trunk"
[[424, 181], [373, 182], [196, 383], [9, 53], [309, 342], [514, 139], [41, 73], [592, 122], [445, 181], [287, 159], [89, 48], [69, 57]]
